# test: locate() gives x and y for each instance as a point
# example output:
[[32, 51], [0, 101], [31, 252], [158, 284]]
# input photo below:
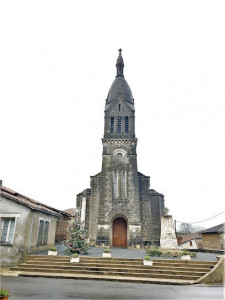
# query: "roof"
[[119, 85], [31, 203], [70, 211], [216, 229], [190, 236], [154, 192]]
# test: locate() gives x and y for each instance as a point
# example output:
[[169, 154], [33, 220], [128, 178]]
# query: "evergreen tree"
[[78, 241]]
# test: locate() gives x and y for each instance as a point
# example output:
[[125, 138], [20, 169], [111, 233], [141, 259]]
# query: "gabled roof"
[[216, 229], [31, 203], [189, 237], [70, 211]]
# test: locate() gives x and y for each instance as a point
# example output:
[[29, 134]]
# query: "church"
[[120, 209]]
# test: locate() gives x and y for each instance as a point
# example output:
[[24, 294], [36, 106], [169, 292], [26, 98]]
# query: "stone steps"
[[113, 273], [130, 266], [105, 268], [75, 267]]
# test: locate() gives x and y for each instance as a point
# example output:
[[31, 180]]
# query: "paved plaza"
[[125, 253]]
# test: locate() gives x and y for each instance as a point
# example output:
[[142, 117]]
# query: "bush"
[[154, 252], [147, 258], [4, 292], [75, 255], [107, 250], [53, 249]]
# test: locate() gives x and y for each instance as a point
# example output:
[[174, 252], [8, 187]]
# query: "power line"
[[202, 220]]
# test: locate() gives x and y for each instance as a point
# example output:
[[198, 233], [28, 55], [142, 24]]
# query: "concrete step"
[[106, 268], [147, 270], [131, 266], [89, 260], [111, 273], [109, 278]]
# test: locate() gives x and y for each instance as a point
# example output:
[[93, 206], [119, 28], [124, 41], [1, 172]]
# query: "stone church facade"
[[120, 209]]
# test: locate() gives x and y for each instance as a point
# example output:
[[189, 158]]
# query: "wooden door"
[[119, 232]]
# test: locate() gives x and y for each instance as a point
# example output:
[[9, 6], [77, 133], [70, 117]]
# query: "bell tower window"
[[119, 127], [126, 124], [112, 125]]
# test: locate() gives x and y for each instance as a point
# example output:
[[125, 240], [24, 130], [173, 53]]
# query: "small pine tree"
[[78, 241]]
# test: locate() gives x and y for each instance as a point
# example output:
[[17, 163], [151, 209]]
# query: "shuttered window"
[[126, 124], [43, 232], [119, 127], [112, 125]]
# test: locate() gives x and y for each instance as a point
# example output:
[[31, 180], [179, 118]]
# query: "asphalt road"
[[44, 288]]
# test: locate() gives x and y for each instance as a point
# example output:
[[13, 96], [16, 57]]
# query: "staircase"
[[164, 271]]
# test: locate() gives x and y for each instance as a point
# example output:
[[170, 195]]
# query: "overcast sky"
[[57, 63]]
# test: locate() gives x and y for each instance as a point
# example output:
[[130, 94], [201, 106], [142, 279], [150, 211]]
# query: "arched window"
[[112, 124], [119, 125], [123, 184], [115, 184], [126, 124]]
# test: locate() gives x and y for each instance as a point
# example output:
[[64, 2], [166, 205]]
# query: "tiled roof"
[[70, 211], [190, 236], [33, 204], [216, 229]]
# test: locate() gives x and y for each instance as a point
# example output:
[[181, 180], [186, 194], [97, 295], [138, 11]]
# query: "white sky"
[[57, 62]]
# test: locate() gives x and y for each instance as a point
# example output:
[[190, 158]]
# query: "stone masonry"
[[120, 209]]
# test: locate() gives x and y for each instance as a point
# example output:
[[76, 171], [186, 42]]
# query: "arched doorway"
[[119, 232]]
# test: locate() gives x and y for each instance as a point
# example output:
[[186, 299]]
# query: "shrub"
[[75, 255], [185, 252], [53, 249], [154, 252], [4, 292], [147, 258], [107, 250]]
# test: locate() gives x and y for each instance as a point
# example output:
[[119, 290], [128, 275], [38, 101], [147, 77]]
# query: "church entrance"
[[119, 232]]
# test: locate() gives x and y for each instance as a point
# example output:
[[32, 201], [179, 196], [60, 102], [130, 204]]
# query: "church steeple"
[[119, 64], [119, 109]]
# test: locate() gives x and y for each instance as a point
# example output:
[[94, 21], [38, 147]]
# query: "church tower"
[[119, 209]]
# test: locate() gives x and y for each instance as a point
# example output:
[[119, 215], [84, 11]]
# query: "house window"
[[8, 230], [115, 184], [123, 184], [112, 124], [126, 125], [119, 107], [191, 243], [43, 232], [119, 125]]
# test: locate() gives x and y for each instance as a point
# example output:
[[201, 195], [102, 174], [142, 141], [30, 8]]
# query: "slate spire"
[[119, 64]]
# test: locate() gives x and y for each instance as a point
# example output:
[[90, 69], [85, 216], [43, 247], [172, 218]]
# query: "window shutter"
[[45, 238], [40, 233]]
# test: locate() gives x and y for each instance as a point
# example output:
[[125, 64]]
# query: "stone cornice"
[[119, 141]]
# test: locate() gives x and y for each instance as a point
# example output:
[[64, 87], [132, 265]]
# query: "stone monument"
[[168, 238]]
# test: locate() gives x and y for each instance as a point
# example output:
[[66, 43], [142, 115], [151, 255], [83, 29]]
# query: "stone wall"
[[213, 241]]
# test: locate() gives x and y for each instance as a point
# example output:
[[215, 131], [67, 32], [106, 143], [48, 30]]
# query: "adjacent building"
[[190, 241], [214, 238], [120, 209], [26, 225]]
